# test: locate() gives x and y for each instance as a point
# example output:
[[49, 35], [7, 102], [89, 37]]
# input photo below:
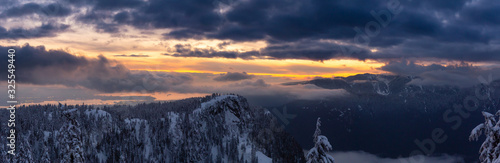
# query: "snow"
[[245, 148], [321, 147], [379, 90], [323, 140], [491, 129], [262, 158], [228, 129], [136, 124], [230, 118], [98, 114], [212, 102], [487, 115], [476, 132], [173, 120], [214, 153], [70, 111], [46, 135], [49, 117], [102, 157]]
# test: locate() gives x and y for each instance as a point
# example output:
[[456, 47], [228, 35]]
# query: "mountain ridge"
[[216, 128]]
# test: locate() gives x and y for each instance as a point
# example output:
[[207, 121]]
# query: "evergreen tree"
[[490, 149], [70, 138], [45, 155], [170, 132], [318, 154], [24, 155]]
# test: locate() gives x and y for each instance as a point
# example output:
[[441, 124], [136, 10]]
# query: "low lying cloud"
[[410, 68], [463, 74], [233, 76], [257, 83], [261, 93], [359, 156], [35, 65], [131, 55], [32, 94]]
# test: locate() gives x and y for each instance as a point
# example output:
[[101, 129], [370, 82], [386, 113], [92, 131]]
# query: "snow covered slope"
[[217, 128]]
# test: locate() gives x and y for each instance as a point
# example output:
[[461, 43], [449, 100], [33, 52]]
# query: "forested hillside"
[[217, 128]]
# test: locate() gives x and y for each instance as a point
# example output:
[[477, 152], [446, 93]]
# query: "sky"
[[105, 52]]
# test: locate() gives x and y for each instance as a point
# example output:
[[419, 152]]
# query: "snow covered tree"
[[24, 154], [318, 154], [45, 154], [490, 149], [70, 138], [155, 132]]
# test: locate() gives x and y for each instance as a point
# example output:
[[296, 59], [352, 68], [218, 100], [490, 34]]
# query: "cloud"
[[257, 83], [105, 4], [260, 93], [45, 30], [187, 51], [50, 10], [233, 76], [355, 156], [410, 68], [309, 29], [99, 20], [183, 34], [131, 55], [35, 65], [414, 32], [463, 74], [306, 49], [27, 93]]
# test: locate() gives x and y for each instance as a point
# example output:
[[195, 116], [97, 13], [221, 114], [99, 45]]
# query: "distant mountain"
[[217, 128], [385, 114]]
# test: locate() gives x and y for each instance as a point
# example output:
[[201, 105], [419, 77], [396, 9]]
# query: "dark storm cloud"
[[482, 14], [409, 68], [122, 17], [306, 49], [53, 9], [188, 51], [97, 18], [233, 76], [183, 34], [195, 15], [46, 30], [223, 44], [312, 50], [7, 3], [35, 65], [112, 4], [447, 51], [416, 29], [106, 4], [294, 20], [450, 30]]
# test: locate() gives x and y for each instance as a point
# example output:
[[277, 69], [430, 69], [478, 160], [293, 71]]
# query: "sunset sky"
[[105, 51]]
